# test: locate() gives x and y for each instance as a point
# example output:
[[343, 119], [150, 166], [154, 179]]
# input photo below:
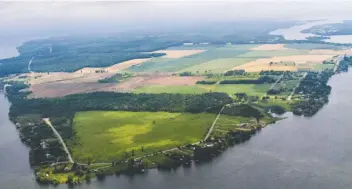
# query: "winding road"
[[47, 121]]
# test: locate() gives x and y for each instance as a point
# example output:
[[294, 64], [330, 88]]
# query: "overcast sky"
[[23, 16]]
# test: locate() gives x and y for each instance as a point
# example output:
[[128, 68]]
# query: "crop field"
[[217, 65], [170, 89], [157, 74], [319, 67], [200, 59], [212, 52], [249, 89], [103, 136], [310, 46]]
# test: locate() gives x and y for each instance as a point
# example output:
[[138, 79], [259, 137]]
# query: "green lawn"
[[103, 136]]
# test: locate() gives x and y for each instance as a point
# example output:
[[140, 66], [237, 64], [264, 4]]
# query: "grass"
[[103, 136], [249, 89], [46, 173], [213, 52], [319, 67], [276, 102], [219, 65], [310, 46], [170, 89], [266, 54]]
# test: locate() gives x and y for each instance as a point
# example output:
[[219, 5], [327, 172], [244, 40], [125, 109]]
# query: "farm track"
[[47, 121], [213, 124], [291, 94]]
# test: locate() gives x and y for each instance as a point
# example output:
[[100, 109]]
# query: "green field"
[[267, 54], [249, 89], [219, 65], [319, 67], [104, 136], [310, 46], [170, 89], [225, 55], [220, 58]]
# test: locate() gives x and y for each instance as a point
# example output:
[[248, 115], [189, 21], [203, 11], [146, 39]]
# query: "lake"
[[294, 32], [297, 152]]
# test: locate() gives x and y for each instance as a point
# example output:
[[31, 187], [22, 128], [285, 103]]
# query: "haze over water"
[[295, 32]]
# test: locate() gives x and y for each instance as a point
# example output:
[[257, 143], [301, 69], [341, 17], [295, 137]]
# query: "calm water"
[[294, 32]]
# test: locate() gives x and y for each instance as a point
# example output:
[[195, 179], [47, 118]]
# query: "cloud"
[[40, 15]]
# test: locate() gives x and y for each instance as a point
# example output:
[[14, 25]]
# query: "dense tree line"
[[272, 72], [245, 110], [210, 102], [260, 80], [204, 82], [234, 72], [344, 64]]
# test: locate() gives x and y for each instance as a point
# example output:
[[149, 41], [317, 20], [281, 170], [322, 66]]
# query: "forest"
[[315, 90]]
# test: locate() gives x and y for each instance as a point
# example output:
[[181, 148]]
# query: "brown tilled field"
[[115, 67], [61, 84]]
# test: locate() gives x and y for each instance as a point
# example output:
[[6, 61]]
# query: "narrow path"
[[47, 121], [276, 81], [291, 94], [338, 60], [213, 124], [273, 85], [29, 65]]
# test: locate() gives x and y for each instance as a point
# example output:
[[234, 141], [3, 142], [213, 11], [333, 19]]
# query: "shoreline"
[[118, 171]]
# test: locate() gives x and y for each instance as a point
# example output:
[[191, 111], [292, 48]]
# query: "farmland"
[[104, 136], [189, 103]]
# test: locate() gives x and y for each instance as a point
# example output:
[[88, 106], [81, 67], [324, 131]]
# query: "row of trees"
[[260, 80], [210, 102]]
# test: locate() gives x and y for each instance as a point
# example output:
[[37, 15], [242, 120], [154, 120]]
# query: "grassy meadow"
[[103, 136], [249, 89]]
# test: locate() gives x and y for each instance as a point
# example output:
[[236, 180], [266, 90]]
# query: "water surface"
[[295, 32]]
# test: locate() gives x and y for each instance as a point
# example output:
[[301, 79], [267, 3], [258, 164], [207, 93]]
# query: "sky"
[[21, 17]]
